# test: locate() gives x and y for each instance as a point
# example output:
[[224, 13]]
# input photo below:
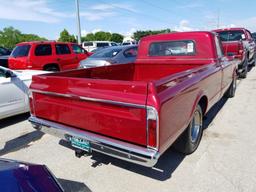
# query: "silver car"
[[110, 56], [14, 86]]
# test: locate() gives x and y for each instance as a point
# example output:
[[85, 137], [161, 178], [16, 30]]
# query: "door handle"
[[58, 59]]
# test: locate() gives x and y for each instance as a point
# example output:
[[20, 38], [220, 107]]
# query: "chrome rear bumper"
[[112, 147]]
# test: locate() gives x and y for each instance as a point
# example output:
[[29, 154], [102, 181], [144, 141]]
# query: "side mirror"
[[9, 74]]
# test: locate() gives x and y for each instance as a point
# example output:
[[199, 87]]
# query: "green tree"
[[10, 36], [102, 36], [89, 37], [66, 37], [31, 37], [117, 38], [139, 34]]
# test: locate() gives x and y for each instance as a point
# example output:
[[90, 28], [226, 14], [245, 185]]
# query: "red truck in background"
[[136, 111], [239, 43], [46, 55]]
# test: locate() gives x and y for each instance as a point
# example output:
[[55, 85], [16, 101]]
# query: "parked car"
[[98, 49], [4, 51], [4, 55], [16, 176], [129, 43], [47, 55], [254, 36], [239, 43], [91, 45], [111, 56], [136, 111], [4, 61], [14, 91]]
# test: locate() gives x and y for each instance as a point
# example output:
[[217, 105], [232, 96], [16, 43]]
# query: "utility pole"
[[78, 23], [218, 19]]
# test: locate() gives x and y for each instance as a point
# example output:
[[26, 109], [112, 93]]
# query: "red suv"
[[47, 55]]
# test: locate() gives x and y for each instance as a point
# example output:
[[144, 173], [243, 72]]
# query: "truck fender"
[[203, 100]]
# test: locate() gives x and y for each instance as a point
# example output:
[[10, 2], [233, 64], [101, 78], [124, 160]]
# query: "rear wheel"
[[232, 89], [243, 75], [188, 142], [51, 68], [254, 61]]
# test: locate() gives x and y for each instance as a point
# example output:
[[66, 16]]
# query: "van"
[[91, 45]]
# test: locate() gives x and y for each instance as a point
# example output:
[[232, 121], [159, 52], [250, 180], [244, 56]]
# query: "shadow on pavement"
[[167, 163], [73, 186], [13, 120], [21, 142], [213, 112], [162, 171], [250, 67]]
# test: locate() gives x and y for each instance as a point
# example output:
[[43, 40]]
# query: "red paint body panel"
[[31, 61], [173, 85], [236, 48]]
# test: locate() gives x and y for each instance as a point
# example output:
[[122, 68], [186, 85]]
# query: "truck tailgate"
[[108, 107]]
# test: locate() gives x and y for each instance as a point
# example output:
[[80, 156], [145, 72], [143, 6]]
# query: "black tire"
[[243, 75], [189, 140], [254, 61], [51, 68], [232, 89]]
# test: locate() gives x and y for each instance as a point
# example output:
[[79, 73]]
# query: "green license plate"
[[80, 143]]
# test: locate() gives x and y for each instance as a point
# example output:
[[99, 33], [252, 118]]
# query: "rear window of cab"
[[172, 48]]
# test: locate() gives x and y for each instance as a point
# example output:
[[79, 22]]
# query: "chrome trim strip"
[[112, 147], [120, 103]]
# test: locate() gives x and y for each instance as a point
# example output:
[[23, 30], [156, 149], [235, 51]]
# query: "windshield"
[[106, 53], [231, 35], [21, 51]]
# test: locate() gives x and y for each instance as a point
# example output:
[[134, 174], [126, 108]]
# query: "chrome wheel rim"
[[196, 126]]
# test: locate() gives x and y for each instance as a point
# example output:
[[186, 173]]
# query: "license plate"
[[80, 143]]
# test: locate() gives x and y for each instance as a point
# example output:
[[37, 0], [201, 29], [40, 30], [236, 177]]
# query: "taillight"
[[240, 49], [152, 127], [31, 103]]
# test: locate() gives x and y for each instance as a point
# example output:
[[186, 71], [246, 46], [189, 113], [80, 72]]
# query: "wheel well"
[[51, 64], [203, 102]]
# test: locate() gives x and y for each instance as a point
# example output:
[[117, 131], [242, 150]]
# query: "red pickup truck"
[[136, 111], [239, 43]]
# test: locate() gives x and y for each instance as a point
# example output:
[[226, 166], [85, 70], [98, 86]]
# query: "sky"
[[47, 18]]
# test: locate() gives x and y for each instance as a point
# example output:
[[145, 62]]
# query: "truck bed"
[[107, 100], [130, 72]]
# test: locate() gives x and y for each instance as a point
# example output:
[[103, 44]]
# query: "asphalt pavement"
[[224, 161]]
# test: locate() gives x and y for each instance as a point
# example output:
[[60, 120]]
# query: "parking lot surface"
[[224, 161]]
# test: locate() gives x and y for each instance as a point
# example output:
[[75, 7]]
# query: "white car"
[[14, 87], [91, 45]]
